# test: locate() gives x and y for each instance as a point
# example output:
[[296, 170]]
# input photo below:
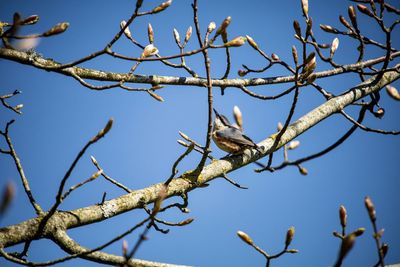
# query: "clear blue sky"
[[60, 115]]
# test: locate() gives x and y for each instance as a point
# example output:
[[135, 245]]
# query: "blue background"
[[60, 116]]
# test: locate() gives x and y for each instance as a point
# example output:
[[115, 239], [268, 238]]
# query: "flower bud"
[[245, 237], [155, 96], [252, 42], [292, 251], [186, 222], [295, 55], [211, 27], [150, 33], [162, 7], [242, 73], [104, 131], [328, 28], [127, 32], [57, 29], [302, 170], [237, 114], [149, 50], [334, 46], [304, 7], [124, 247], [380, 113], [177, 37], [275, 57], [19, 107], [309, 27], [297, 29], [289, 236], [293, 144], [160, 198], [359, 231], [392, 92], [279, 127], [30, 20], [238, 41], [188, 34], [370, 208], [365, 10], [344, 22], [224, 25], [343, 216], [352, 16]]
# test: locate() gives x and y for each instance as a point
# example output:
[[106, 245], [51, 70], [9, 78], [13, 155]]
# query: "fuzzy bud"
[[149, 50], [162, 7], [343, 216], [127, 32], [150, 33], [304, 7], [19, 107], [160, 198], [359, 231], [289, 236], [309, 27], [211, 27], [279, 127], [328, 28], [155, 96], [188, 34], [93, 159], [103, 131], [370, 208], [7, 196], [380, 113], [237, 114], [344, 22], [125, 247], [275, 57], [334, 46], [292, 251], [177, 37], [252, 42], [242, 73], [352, 16], [245, 237], [30, 20], [238, 41], [295, 55], [297, 29], [186, 222], [302, 170], [224, 25], [363, 9], [392, 92], [293, 144], [57, 29]]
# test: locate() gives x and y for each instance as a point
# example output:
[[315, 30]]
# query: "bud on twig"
[[371, 209], [289, 236], [297, 29], [177, 37], [359, 231], [155, 96], [103, 131], [309, 27], [352, 16], [127, 32], [186, 222], [328, 28], [275, 57], [392, 92], [211, 27], [293, 144], [334, 46], [279, 127], [242, 73], [30, 20], [245, 237], [162, 7], [304, 6], [292, 251], [295, 55], [365, 10], [302, 170], [345, 22], [188, 35], [124, 247], [238, 41], [237, 114], [93, 159], [343, 216], [252, 42], [57, 29], [150, 33], [149, 50], [223, 26], [162, 194]]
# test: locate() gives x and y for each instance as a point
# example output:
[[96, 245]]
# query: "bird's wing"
[[236, 136]]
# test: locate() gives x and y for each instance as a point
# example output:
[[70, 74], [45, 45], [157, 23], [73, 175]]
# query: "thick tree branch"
[[35, 60], [26, 230]]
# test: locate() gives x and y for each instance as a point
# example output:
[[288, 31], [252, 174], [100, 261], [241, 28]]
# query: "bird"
[[229, 138]]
